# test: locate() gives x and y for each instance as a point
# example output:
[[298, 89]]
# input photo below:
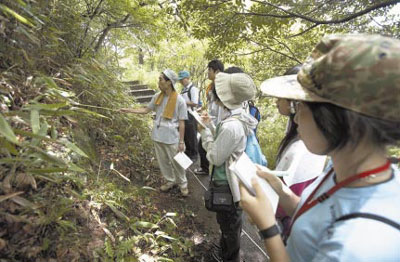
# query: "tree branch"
[[304, 31], [273, 50], [285, 45], [290, 14], [91, 17], [107, 29]]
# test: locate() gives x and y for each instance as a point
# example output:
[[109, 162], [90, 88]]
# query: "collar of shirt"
[[232, 112]]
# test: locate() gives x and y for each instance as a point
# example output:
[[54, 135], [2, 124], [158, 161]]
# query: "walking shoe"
[[184, 191], [200, 171], [167, 186]]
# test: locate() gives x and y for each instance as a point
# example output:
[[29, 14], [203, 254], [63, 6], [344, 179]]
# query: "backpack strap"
[[370, 216], [189, 92]]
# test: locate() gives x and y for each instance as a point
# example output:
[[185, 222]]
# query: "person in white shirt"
[[168, 130], [191, 95], [224, 145], [214, 67], [302, 166]]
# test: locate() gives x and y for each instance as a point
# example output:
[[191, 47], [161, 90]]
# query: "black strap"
[[188, 91], [370, 216]]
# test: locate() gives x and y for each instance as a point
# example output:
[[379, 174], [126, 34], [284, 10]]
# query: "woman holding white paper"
[[301, 165], [223, 147], [347, 213]]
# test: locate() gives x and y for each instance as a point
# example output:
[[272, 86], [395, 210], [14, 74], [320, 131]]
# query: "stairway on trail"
[[142, 93]]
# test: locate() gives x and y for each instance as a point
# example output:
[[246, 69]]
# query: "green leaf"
[[117, 212], [30, 134], [6, 131], [144, 224], [83, 110], [49, 81], [43, 129], [7, 145], [16, 15], [35, 121], [75, 148], [54, 132], [46, 156], [12, 160], [40, 106], [75, 168], [47, 170]]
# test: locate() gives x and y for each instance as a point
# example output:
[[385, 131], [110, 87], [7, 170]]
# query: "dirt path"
[[251, 245]]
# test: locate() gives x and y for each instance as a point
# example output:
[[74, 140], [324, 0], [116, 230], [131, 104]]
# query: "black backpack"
[[189, 93]]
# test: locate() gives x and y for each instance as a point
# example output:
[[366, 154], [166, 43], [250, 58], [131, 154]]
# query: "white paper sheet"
[[245, 170], [183, 160], [197, 117], [273, 172]]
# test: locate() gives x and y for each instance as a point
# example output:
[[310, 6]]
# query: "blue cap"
[[183, 74]]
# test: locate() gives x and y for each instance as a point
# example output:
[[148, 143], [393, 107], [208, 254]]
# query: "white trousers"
[[170, 169]]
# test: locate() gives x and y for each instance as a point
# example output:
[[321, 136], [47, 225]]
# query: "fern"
[[108, 247]]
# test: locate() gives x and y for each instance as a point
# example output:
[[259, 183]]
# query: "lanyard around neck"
[[309, 203]]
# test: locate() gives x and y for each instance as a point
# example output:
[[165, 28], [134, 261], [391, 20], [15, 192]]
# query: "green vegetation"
[[76, 176]]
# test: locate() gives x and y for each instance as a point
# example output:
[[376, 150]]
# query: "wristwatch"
[[269, 232]]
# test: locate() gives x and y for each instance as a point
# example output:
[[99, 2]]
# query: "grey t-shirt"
[[166, 130]]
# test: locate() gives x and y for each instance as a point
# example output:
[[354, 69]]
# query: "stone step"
[[131, 83], [142, 92], [139, 87], [143, 99]]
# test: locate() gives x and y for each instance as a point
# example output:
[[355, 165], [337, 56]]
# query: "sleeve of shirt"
[[152, 104], [194, 94], [182, 108], [220, 149]]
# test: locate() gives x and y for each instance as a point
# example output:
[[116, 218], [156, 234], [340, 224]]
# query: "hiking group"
[[339, 199]]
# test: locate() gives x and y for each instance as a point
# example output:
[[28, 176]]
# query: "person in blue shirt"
[[346, 102]]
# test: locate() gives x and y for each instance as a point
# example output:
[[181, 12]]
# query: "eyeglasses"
[[294, 106]]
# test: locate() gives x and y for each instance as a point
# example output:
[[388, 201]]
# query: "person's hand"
[[205, 118], [274, 181], [181, 147], [258, 208]]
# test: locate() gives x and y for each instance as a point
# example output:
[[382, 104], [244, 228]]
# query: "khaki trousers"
[[170, 169]]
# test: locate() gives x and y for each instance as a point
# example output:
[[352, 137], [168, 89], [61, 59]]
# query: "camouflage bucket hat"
[[357, 72]]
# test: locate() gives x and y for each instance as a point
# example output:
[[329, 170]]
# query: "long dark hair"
[[342, 127], [290, 136], [291, 133]]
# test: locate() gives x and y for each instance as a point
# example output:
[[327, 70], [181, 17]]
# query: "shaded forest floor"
[[107, 218]]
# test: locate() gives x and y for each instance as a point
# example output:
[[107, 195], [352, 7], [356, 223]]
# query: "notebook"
[[245, 170]]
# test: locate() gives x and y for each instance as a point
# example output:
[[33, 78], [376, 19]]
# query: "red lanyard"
[[309, 204]]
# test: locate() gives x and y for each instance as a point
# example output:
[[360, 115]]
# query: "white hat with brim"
[[234, 89], [171, 76], [288, 87]]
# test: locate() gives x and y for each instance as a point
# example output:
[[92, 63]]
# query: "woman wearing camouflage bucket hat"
[[346, 98], [223, 146]]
